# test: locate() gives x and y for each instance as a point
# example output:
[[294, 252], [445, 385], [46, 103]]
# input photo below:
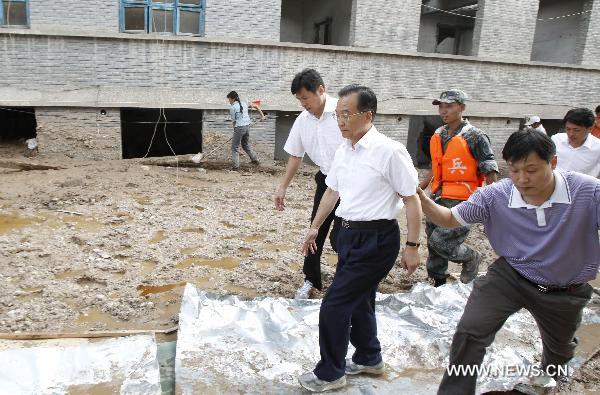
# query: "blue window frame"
[[14, 13], [163, 16]]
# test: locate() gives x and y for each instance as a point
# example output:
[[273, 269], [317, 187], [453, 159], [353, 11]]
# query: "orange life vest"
[[454, 171]]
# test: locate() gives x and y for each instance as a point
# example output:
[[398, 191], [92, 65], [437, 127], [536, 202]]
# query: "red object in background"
[[256, 102]]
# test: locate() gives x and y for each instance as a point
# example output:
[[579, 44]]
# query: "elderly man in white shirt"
[[577, 149], [372, 175], [316, 133]]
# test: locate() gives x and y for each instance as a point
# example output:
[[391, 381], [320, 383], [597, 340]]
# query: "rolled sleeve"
[[481, 147], [293, 144], [473, 211], [401, 172], [488, 166]]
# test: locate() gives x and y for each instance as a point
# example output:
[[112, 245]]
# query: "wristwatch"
[[412, 244]]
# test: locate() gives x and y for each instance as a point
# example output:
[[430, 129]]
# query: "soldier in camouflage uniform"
[[462, 158]]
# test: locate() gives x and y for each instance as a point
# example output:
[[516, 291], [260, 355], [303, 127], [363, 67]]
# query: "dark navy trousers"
[[312, 262], [365, 256]]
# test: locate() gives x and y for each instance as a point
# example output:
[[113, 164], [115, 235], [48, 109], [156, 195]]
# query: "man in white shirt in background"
[[535, 123], [372, 175], [577, 149], [316, 133]]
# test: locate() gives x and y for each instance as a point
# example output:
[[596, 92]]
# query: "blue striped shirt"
[[553, 244]]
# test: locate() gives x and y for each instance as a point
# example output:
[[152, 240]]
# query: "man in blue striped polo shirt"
[[543, 223]]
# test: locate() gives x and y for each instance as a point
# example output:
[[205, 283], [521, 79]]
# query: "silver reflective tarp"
[[125, 365], [231, 345]]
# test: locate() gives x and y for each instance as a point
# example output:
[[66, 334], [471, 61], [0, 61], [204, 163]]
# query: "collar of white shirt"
[[561, 194], [589, 142], [330, 104], [365, 140]]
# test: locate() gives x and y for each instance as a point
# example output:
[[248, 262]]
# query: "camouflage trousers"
[[446, 244]]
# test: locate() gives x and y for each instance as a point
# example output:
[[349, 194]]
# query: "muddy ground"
[[109, 245]]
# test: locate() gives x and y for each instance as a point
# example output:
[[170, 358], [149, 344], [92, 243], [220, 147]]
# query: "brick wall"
[[393, 126], [588, 44], [237, 18], [81, 133], [82, 14], [147, 71], [392, 24], [505, 29], [243, 18]]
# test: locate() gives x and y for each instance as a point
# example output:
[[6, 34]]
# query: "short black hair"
[[598, 110], [308, 79], [522, 143], [367, 101], [580, 117]]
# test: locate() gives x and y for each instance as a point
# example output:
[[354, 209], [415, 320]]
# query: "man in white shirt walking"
[[371, 175], [316, 133], [577, 149]]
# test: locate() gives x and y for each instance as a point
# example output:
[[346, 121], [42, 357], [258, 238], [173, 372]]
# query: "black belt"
[[375, 224], [550, 288]]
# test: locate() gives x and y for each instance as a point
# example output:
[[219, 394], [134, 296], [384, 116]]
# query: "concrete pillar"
[[505, 29], [588, 43], [391, 24]]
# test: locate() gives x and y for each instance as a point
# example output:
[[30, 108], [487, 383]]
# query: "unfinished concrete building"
[[97, 77]]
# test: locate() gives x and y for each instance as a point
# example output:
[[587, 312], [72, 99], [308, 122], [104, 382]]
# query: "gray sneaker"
[[312, 383], [354, 368], [470, 268]]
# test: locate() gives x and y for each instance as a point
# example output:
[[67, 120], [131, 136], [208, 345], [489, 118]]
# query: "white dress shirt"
[[370, 177], [584, 159], [317, 137]]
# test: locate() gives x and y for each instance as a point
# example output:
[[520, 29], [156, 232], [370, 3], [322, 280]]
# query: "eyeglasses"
[[345, 117]]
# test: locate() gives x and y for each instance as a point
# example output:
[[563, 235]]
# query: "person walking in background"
[[577, 149], [315, 132], [241, 130], [535, 123]]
